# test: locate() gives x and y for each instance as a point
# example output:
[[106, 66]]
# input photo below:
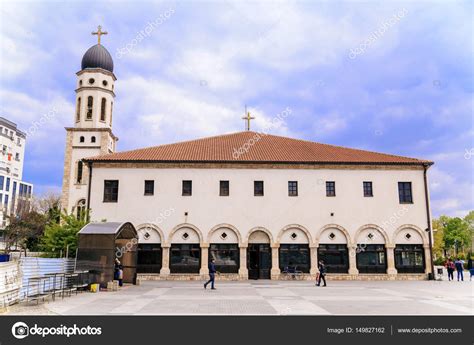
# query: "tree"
[[438, 242], [469, 219], [24, 231], [61, 237], [456, 234]]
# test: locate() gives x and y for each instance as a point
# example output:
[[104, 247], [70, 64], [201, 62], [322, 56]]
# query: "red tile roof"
[[256, 148]]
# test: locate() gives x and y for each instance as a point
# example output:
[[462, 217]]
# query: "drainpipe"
[[428, 218], [89, 191]]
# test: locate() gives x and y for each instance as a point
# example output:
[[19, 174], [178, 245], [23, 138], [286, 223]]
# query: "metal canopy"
[[119, 230]]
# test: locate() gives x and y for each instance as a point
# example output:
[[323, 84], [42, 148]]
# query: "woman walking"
[[322, 273]]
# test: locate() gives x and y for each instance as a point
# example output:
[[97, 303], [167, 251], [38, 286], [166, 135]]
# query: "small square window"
[[187, 188], [149, 187], [224, 188], [258, 188], [292, 188], [330, 188], [367, 186]]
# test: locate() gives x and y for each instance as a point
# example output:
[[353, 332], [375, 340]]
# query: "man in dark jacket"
[[322, 273], [460, 268], [212, 275]]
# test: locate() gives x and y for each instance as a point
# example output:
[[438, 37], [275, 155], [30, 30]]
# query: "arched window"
[[102, 110], [81, 209], [79, 172], [90, 104], [93, 139], [81, 139], [78, 110], [111, 107]]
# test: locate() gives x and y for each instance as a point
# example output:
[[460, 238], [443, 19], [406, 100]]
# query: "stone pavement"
[[268, 298]]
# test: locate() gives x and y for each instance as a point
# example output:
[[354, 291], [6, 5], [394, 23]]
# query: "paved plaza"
[[267, 298]]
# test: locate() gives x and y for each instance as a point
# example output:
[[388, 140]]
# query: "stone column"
[[165, 260], [313, 256], [352, 248], [275, 271], [204, 271], [243, 271], [390, 248], [426, 248]]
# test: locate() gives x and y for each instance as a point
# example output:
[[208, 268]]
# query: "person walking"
[[450, 268], [460, 268], [212, 275], [322, 273]]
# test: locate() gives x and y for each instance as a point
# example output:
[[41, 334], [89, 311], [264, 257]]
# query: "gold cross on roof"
[[247, 118], [99, 33]]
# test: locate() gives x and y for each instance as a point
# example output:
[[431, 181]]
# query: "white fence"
[[14, 276], [10, 282]]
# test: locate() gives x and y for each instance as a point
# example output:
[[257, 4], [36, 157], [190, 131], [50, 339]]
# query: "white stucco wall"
[[311, 209]]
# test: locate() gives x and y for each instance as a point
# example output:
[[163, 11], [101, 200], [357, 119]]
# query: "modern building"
[[15, 194], [259, 204]]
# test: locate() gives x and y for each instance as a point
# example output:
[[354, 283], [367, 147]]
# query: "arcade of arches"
[[261, 255]]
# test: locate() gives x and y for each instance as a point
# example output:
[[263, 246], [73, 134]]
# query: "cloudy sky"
[[395, 77]]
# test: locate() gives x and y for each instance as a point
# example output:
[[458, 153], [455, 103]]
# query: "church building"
[[258, 204]]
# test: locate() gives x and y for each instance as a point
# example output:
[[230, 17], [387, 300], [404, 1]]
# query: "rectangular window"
[[368, 189], [258, 188], [187, 188], [185, 258], [1, 198], [7, 187], [335, 257], [224, 188], [29, 190], [292, 188], [6, 200], [294, 257], [404, 193], [330, 188], [149, 187], [2, 180], [226, 257], [111, 188]]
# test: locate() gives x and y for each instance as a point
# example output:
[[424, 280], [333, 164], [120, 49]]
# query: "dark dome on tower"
[[98, 57]]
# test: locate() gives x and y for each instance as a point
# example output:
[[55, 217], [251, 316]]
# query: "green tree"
[[60, 238], [469, 219], [24, 231], [456, 234]]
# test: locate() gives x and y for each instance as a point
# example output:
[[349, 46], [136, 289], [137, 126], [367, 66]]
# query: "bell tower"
[[92, 132]]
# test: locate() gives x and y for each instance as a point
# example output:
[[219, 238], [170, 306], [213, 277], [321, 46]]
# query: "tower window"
[[78, 110], [81, 139], [90, 104], [80, 82], [79, 172], [93, 139], [91, 81], [104, 82], [111, 108], [102, 109]]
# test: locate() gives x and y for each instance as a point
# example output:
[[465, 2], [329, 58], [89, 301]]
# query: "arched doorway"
[[149, 256], [409, 251], [259, 255], [294, 251]]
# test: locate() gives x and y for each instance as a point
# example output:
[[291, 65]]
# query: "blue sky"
[[394, 77]]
